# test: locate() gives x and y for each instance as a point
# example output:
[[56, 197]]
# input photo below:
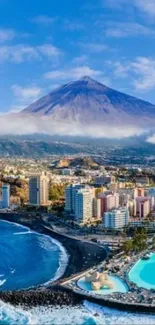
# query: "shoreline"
[[81, 256], [55, 294]]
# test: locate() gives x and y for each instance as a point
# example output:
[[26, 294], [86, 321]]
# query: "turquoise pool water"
[[119, 286], [143, 273]]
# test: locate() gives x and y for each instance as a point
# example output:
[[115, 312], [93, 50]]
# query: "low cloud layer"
[[151, 139], [20, 125]]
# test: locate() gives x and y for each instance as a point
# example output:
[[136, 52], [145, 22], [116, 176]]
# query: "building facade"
[[97, 208], [109, 201], [116, 219], [38, 190], [5, 196], [83, 205]]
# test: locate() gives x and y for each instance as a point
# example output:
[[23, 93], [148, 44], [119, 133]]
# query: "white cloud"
[[147, 6], [120, 70], [151, 139], [15, 109], [73, 73], [49, 50], [26, 124], [43, 20], [6, 35], [144, 6], [94, 47], [26, 93], [21, 53], [80, 59], [17, 53], [144, 68], [123, 29], [141, 72]]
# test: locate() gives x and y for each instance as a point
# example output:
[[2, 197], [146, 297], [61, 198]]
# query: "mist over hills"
[[84, 108]]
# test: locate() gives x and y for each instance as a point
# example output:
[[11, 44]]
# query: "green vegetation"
[[57, 191], [18, 188], [138, 243]]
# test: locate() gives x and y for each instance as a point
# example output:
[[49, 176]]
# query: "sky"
[[47, 43]]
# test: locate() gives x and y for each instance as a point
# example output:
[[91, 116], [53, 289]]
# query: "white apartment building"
[[83, 205], [112, 201], [116, 219]]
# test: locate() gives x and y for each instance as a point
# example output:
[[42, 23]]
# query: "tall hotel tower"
[[38, 190], [5, 196]]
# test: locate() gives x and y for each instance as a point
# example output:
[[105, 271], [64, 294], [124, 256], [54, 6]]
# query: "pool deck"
[[135, 299]]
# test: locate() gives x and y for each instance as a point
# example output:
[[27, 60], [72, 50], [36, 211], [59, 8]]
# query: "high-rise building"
[[138, 191], [70, 196], [97, 208], [123, 199], [68, 199], [38, 190], [109, 201], [5, 196], [83, 205], [131, 205], [113, 187], [143, 206], [116, 219]]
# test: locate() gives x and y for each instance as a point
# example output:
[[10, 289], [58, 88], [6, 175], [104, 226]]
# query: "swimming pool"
[[119, 286], [143, 273]]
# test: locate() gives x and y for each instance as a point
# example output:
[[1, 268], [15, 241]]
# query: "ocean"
[[28, 259]]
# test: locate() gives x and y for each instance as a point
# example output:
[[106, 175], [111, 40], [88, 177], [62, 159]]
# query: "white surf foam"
[[22, 233], [62, 315], [2, 282], [12, 315], [104, 315], [64, 257], [17, 224]]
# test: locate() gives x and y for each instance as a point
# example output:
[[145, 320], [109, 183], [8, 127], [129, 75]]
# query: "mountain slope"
[[88, 101]]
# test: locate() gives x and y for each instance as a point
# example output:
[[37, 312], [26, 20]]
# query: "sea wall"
[[31, 298]]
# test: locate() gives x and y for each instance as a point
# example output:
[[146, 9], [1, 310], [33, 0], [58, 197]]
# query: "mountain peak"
[[88, 101], [87, 78]]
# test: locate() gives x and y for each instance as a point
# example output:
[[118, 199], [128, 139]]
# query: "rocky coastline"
[[33, 298]]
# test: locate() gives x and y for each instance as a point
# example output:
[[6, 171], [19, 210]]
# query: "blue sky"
[[47, 43]]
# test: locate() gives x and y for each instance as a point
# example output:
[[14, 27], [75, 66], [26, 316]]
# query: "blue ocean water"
[[143, 273], [27, 258]]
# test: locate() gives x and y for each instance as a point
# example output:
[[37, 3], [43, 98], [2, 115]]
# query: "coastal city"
[[103, 215], [77, 162], [87, 194]]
